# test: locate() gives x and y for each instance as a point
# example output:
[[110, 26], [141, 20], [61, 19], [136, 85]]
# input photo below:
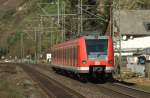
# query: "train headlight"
[[84, 62]]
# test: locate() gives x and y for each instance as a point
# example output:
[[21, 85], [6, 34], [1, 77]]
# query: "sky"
[[143, 42]]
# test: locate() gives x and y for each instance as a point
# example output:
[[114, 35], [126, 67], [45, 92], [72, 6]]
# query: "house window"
[[148, 26]]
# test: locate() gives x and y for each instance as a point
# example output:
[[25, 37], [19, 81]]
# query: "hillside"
[[13, 12], [9, 17], [22, 27]]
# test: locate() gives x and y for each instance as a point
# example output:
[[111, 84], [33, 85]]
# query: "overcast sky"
[[143, 42]]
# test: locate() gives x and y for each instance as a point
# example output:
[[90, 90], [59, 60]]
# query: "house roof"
[[132, 22]]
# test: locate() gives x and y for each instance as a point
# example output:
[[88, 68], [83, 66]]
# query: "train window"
[[62, 57], [59, 53], [53, 54], [73, 60], [59, 57], [66, 56], [56, 56], [97, 48], [72, 56], [75, 55]]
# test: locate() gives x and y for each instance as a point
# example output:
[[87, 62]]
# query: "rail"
[[53, 88]]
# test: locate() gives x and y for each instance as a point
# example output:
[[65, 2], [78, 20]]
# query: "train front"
[[98, 56]]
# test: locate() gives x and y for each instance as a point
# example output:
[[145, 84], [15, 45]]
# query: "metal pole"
[[64, 21], [118, 38], [78, 17], [35, 32], [40, 38], [58, 9], [51, 40], [81, 20], [63, 11], [111, 17], [22, 48], [120, 55]]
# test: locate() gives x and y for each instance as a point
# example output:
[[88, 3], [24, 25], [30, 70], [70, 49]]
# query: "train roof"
[[95, 37], [72, 41], [75, 41]]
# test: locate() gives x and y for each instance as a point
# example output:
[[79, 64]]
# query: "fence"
[[147, 69]]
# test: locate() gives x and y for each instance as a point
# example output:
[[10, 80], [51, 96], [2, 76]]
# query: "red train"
[[84, 56]]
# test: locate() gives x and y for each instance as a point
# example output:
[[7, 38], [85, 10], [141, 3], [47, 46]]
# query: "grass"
[[143, 87], [9, 91]]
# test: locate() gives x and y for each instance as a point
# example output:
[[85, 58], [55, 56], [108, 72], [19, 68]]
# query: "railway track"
[[121, 91], [52, 88], [56, 90]]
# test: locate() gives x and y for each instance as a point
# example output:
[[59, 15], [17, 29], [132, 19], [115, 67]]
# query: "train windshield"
[[97, 48]]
